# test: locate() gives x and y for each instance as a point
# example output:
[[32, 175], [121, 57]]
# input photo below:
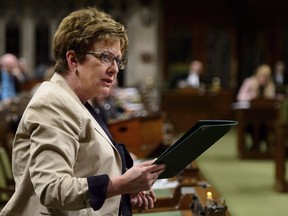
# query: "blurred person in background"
[[24, 73], [259, 85], [280, 77], [193, 79], [10, 77], [280, 74]]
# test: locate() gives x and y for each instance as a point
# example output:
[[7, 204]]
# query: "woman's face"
[[96, 77], [263, 79]]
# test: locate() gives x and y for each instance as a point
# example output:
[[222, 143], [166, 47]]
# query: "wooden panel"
[[281, 181], [141, 135], [261, 113], [184, 107]]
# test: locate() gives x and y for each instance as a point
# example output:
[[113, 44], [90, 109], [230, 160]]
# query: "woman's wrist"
[[115, 186]]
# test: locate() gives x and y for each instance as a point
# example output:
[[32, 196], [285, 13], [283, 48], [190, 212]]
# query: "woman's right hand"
[[138, 178]]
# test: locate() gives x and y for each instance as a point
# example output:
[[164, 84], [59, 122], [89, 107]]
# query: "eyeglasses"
[[108, 58]]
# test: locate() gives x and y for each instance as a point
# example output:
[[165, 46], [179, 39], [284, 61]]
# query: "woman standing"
[[65, 161]]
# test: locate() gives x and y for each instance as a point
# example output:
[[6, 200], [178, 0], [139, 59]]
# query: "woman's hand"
[[138, 178], [143, 200], [142, 176]]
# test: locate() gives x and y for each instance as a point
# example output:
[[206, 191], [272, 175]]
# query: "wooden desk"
[[176, 202], [179, 201], [141, 135], [259, 114], [185, 107], [281, 183]]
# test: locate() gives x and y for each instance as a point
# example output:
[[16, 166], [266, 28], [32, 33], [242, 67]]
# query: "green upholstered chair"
[[6, 187]]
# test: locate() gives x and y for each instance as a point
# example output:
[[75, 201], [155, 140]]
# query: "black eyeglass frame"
[[108, 58]]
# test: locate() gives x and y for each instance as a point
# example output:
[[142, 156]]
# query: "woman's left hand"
[[143, 200]]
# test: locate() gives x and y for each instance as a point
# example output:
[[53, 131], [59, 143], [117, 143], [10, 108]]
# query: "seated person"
[[259, 85], [9, 77], [280, 77], [106, 107], [193, 79]]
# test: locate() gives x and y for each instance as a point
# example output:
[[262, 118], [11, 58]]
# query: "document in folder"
[[192, 144]]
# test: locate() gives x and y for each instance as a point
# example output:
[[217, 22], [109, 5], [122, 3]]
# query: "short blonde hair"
[[80, 30]]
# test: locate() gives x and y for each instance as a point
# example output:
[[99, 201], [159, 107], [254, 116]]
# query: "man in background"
[[193, 79], [10, 75]]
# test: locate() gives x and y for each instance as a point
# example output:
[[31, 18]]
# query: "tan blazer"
[[57, 145]]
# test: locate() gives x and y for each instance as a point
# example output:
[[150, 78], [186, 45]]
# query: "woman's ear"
[[71, 58]]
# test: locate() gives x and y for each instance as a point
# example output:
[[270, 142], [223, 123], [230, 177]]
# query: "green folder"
[[192, 144]]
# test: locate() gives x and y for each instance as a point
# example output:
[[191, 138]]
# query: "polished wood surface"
[[141, 135], [184, 107]]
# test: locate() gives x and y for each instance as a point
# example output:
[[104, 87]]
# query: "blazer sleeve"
[[97, 190]]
